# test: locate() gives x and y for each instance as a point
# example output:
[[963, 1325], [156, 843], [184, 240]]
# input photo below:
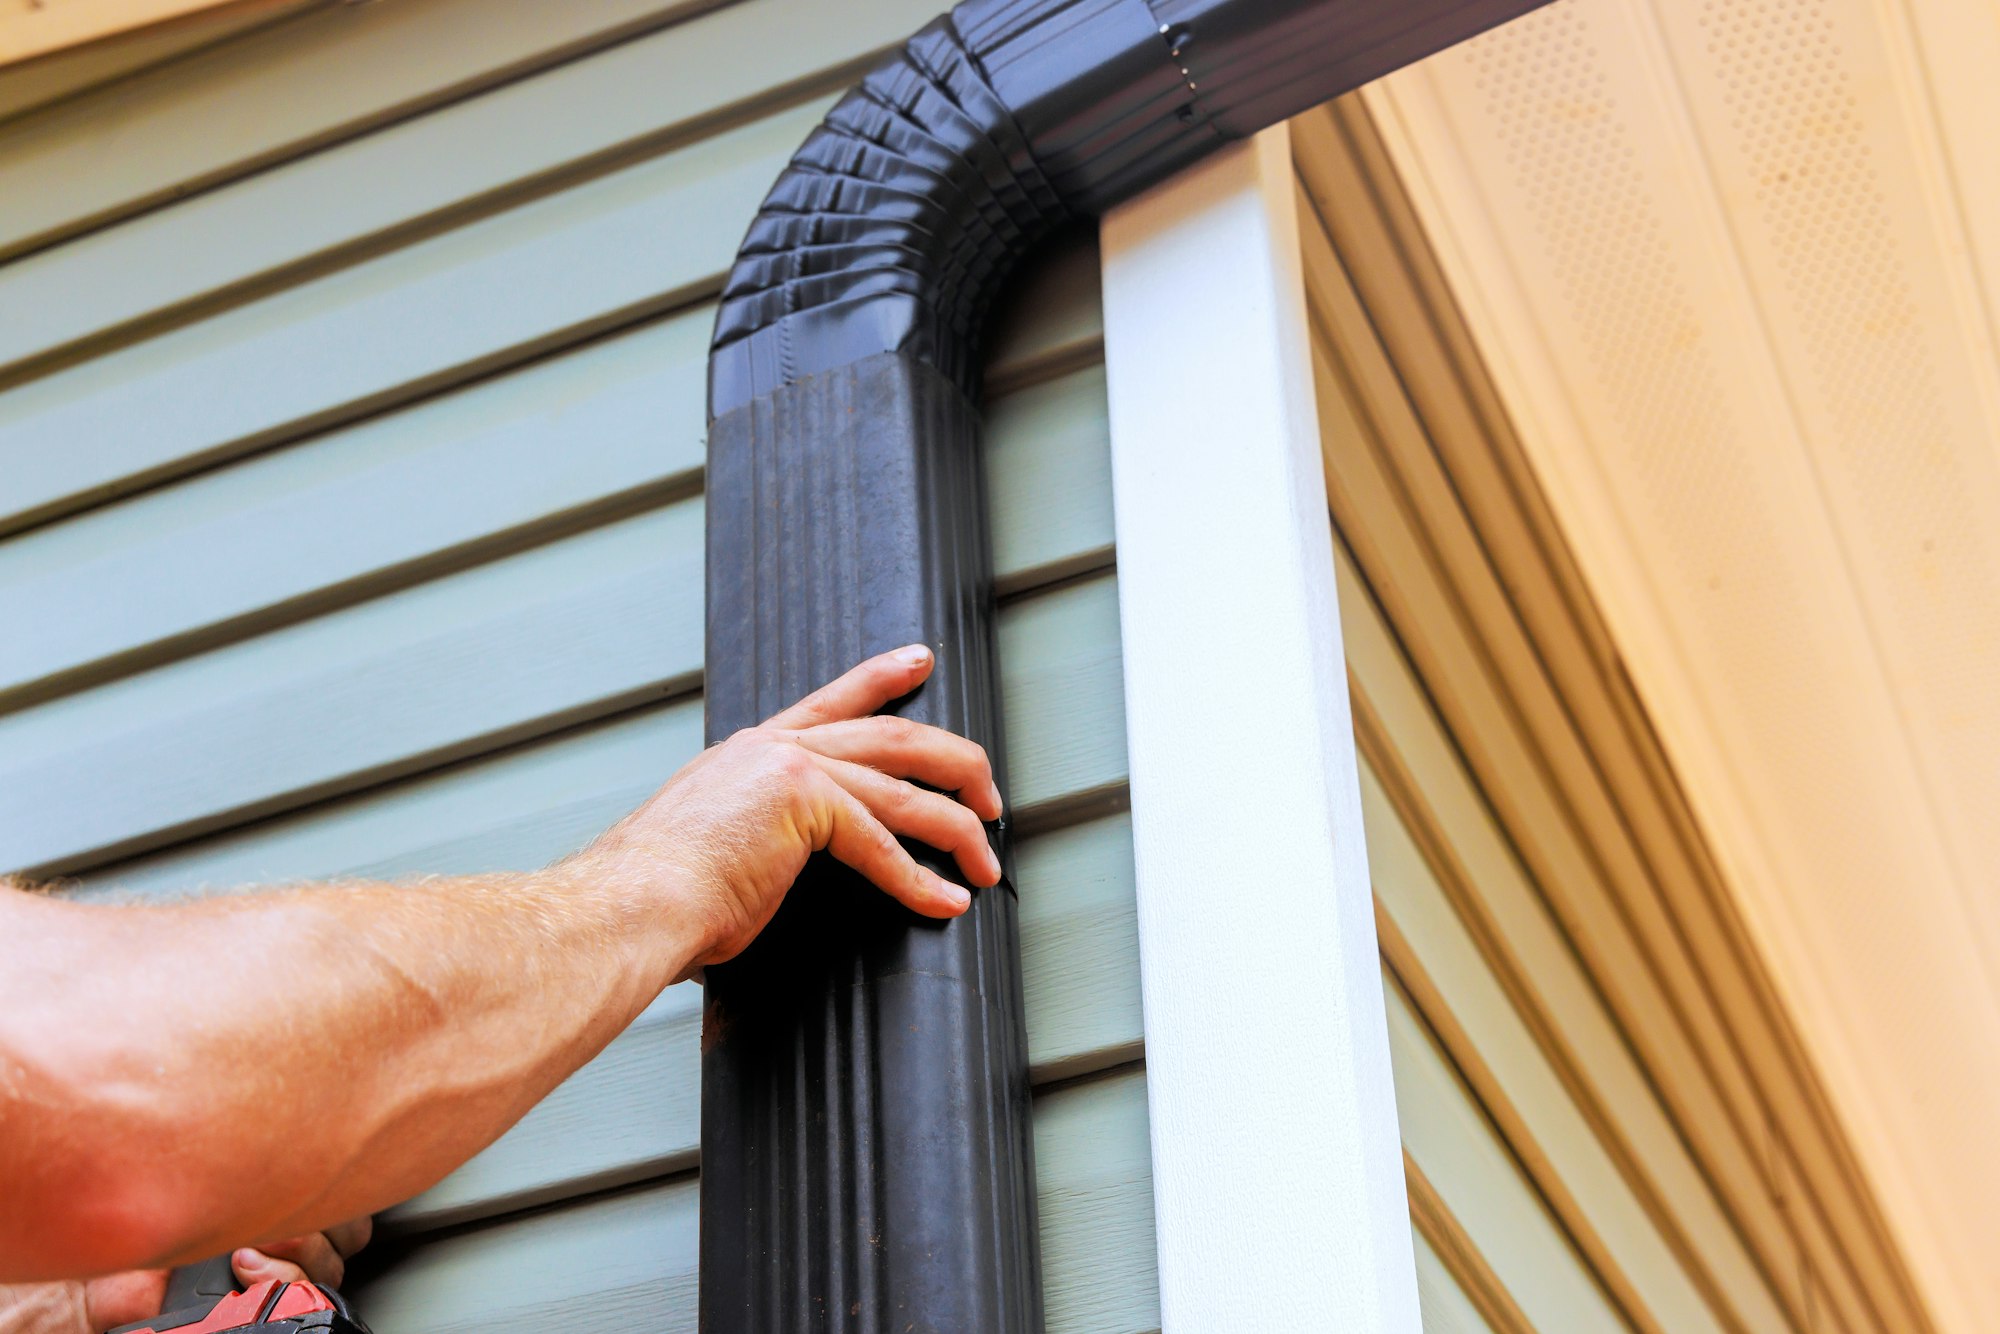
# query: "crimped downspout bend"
[[901, 215]]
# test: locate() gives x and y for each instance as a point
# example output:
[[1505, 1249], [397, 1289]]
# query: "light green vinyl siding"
[[351, 434]]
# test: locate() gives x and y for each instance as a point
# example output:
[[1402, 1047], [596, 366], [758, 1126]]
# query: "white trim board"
[[1277, 1166]]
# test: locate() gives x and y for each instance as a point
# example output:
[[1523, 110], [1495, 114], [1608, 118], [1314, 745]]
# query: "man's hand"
[[727, 835], [118, 1299]]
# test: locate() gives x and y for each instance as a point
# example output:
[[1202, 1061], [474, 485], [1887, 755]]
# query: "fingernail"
[[916, 655], [958, 894], [245, 1259]]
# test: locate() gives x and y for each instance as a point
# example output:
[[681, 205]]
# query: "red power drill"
[[203, 1299]]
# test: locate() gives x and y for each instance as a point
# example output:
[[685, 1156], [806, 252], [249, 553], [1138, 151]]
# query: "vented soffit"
[[1735, 266]]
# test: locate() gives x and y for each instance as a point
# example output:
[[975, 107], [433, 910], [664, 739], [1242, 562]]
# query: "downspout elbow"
[[900, 216]]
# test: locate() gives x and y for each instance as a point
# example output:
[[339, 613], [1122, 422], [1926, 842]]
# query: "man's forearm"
[[342, 1047], [177, 1079]]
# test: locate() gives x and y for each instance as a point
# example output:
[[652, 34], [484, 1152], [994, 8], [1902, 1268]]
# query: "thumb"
[[253, 1267], [308, 1259]]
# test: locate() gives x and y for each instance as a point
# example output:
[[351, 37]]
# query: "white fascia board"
[[1277, 1165]]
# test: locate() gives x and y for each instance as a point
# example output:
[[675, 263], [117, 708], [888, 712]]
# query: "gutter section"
[[866, 1149]]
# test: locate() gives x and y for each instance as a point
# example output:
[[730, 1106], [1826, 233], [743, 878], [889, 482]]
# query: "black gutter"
[[867, 1161]]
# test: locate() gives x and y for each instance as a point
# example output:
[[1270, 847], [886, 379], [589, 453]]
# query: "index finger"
[[351, 1236], [862, 690]]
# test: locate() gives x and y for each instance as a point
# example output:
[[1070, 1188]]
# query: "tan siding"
[[1518, 885]]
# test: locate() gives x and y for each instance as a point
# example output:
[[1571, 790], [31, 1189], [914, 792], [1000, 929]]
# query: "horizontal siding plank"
[[675, 83], [1094, 1166], [538, 801], [584, 626], [1062, 698], [1049, 313], [581, 627], [1446, 1308], [1459, 1153], [633, 1113], [612, 423], [326, 76], [615, 419], [1562, 1140], [637, 242], [1517, 732], [628, 1261], [1048, 450], [624, 1263], [525, 806], [1080, 947], [1539, 954]]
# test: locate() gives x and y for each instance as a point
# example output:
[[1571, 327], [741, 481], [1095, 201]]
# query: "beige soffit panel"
[[1735, 266]]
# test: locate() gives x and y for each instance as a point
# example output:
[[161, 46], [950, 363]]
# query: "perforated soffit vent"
[[1736, 264]]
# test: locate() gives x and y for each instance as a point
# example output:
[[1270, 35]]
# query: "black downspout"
[[866, 1151]]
